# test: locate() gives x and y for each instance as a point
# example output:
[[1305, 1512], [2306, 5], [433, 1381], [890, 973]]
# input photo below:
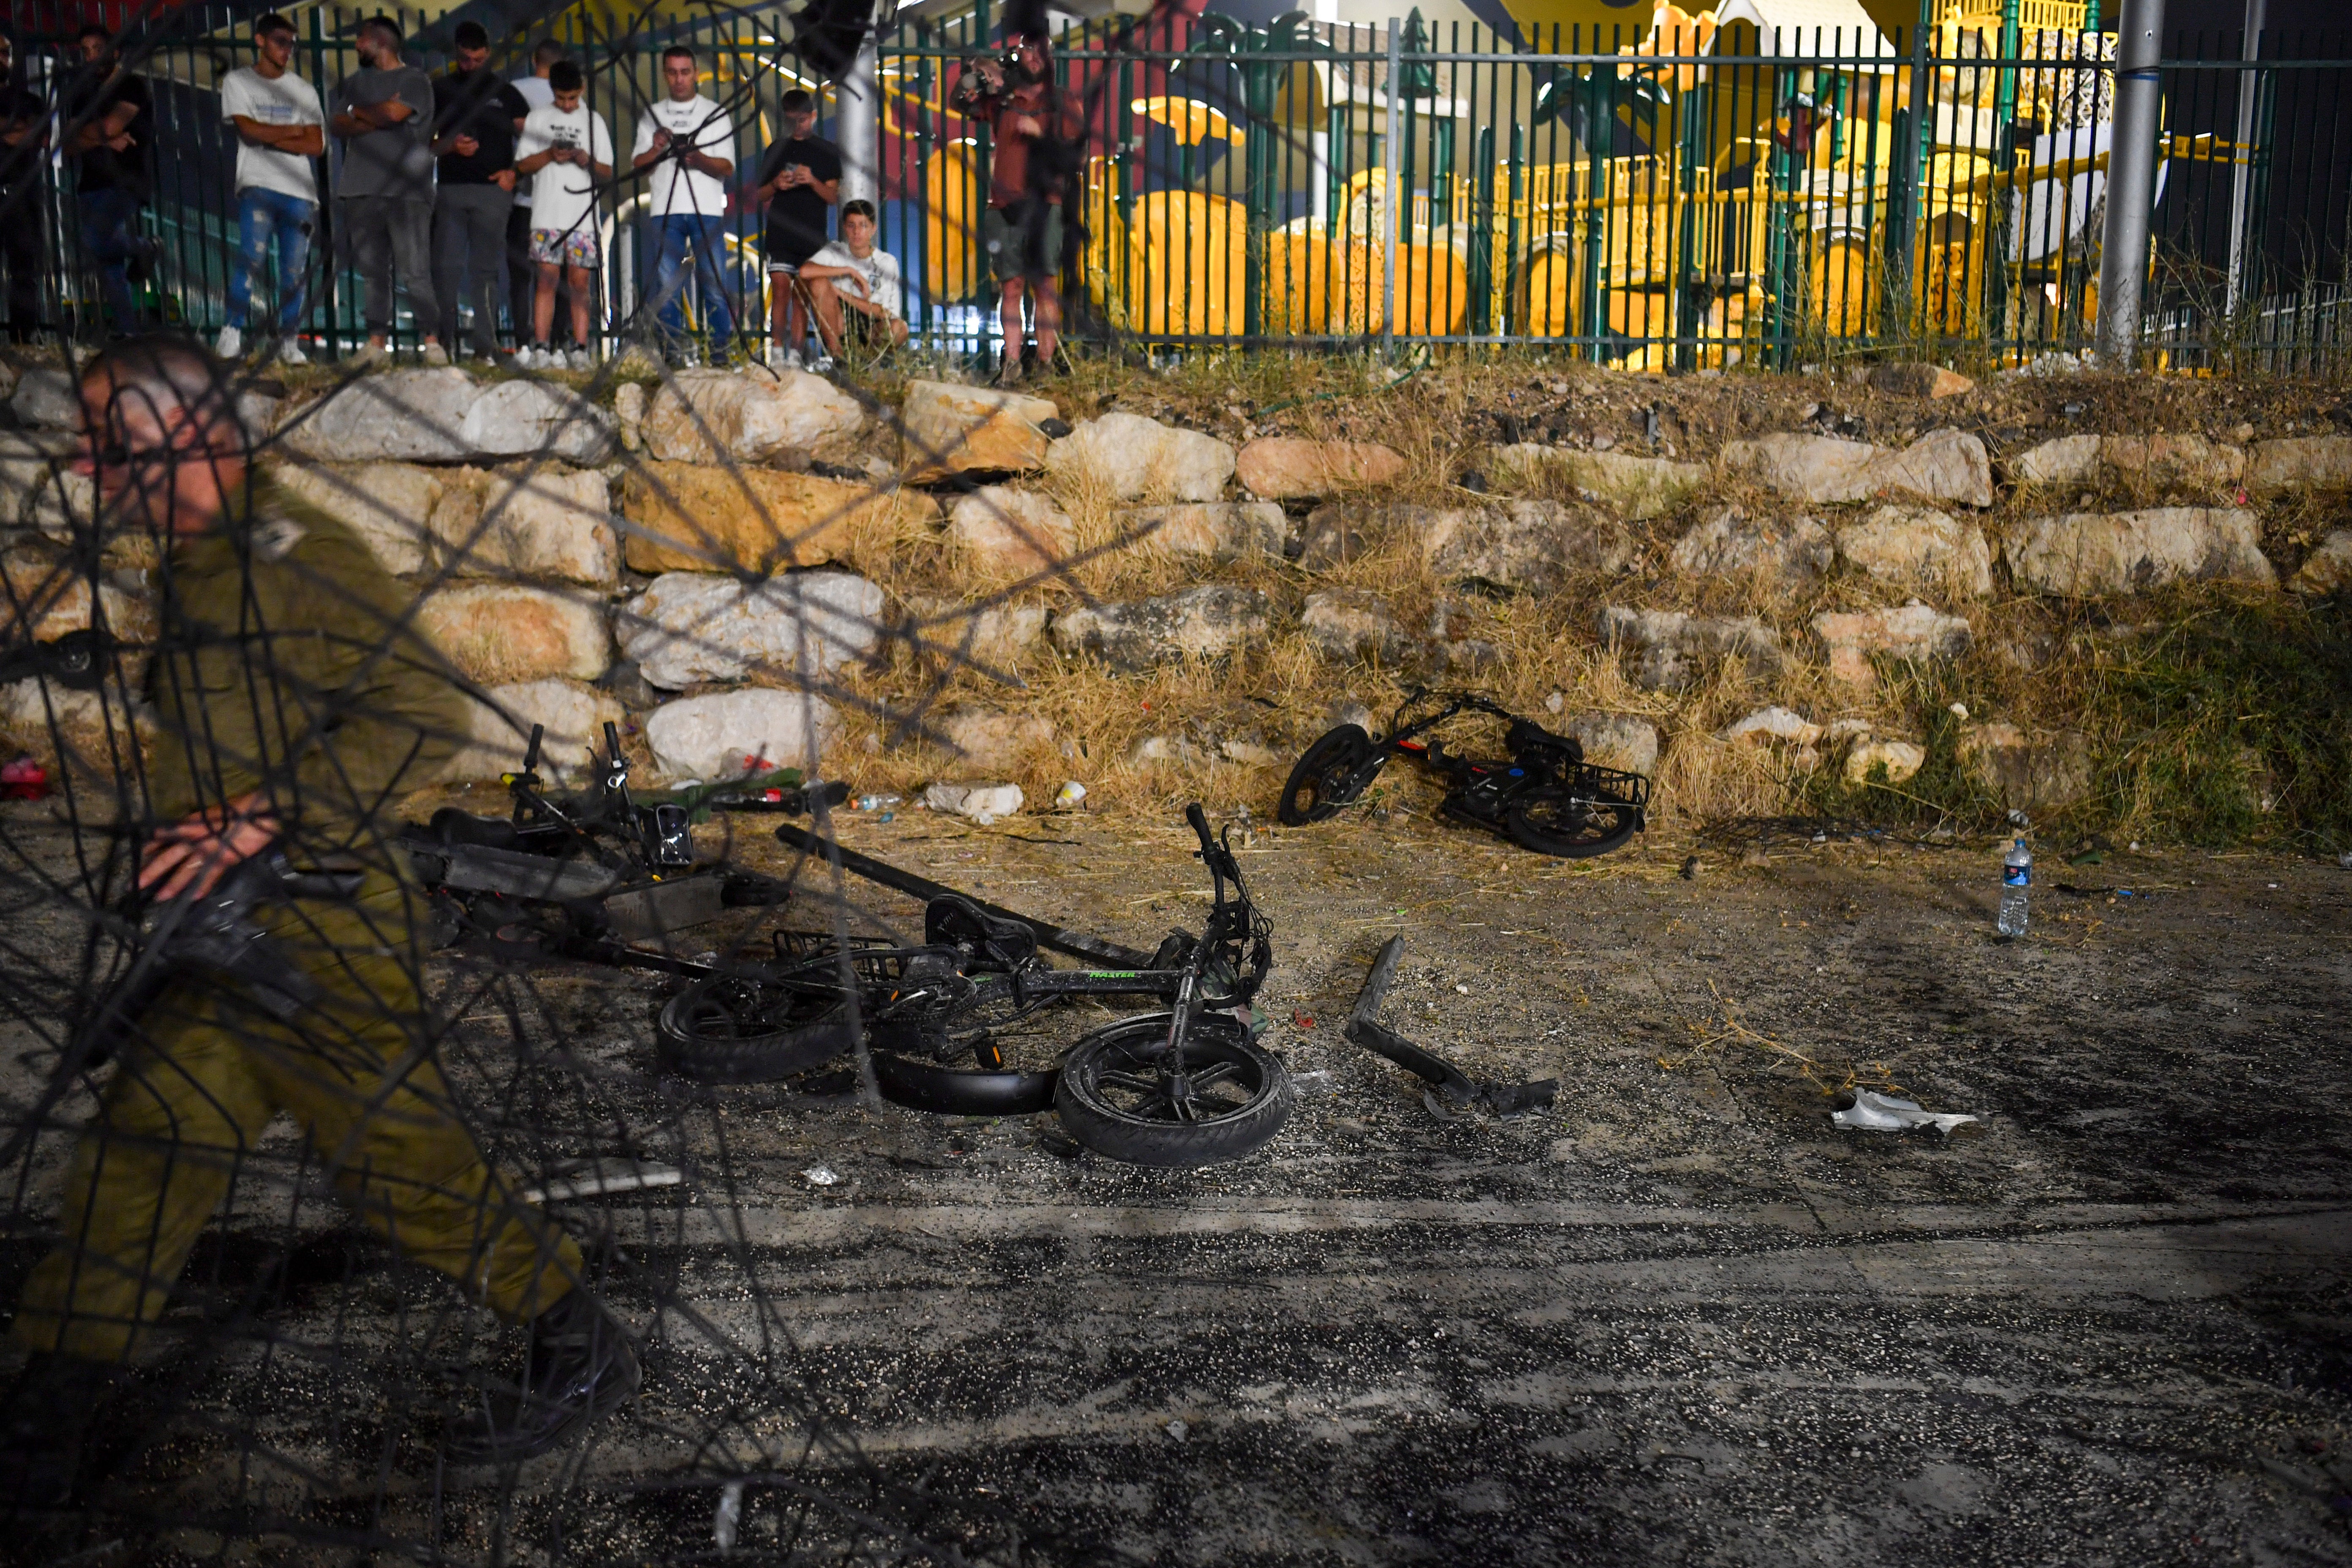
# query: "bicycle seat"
[[1526, 735], [453, 826], [991, 941]]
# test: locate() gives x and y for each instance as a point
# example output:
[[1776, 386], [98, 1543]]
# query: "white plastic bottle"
[[2016, 877]]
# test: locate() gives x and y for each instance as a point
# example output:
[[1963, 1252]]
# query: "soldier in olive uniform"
[[292, 709]]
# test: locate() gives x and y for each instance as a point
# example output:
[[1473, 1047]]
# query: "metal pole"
[[1388, 186], [857, 101], [2242, 162], [2131, 176]]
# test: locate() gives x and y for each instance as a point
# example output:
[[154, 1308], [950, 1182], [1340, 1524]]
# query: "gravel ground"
[[1677, 1317]]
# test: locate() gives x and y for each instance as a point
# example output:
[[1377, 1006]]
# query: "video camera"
[[997, 74]]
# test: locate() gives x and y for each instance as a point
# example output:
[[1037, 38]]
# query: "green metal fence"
[[1668, 202]]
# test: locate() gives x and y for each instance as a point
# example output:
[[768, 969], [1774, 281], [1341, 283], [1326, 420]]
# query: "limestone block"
[[2063, 460], [1621, 741], [93, 735], [1130, 457], [389, 506], [1531, 545], [2086, 554], [717, 416], [1921, 549], [1225, 531], [1901, 759], [730, 734], [400, 415], [46, 396], [1913, 631], [994, 637], [1732, 544], [1286, 468], [1346, 625], [43, 598], [1633, 486], [503, 634], [1775, 724], [1946, 466], [629, 415], [1004, 533], [2300, 463], [531, 520], [2328, 568], [686, 517], [533, 419], [1198, 623], [693, 627], [2172, 460], [1915, 378], [1672, 644], [38, 487], [951, 429]]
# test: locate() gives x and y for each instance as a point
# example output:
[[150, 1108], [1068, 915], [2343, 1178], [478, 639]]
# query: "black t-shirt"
[[103, 168], [796, 218], [20, 106], [485, 106]]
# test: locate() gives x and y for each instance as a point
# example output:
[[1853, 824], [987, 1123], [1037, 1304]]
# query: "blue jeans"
[[110, 239], [672, 235], [260, 216]]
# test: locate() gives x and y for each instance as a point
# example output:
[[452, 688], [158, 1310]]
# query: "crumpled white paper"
[[1874, 1112]]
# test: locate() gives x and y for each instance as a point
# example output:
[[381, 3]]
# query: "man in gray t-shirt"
[[383, 196]]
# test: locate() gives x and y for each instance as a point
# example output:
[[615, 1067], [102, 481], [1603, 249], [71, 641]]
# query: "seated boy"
[[850, 273]]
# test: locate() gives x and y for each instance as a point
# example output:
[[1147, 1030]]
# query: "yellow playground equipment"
[[1759, 211]]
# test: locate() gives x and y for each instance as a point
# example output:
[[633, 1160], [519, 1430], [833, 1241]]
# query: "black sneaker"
[[580, 1367]]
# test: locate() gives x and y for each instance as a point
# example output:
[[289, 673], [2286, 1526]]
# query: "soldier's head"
[[161, 434]]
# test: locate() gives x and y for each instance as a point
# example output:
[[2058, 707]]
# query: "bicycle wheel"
[[1334, 771], [738, 1028], [1236, 1094], [1572, 827]]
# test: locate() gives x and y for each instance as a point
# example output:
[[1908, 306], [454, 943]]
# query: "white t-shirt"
[[563, 193], [875, 277], [539, 95], [284, 100], [705, 124]]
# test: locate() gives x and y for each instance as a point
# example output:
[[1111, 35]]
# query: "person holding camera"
[[566, 149], [799, 179], [689, 147], [1033, 129], [476, 117]]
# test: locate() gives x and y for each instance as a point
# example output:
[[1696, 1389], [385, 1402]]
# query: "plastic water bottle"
[[2016, 877]]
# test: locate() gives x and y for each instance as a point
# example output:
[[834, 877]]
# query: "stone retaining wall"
[[706, 560]]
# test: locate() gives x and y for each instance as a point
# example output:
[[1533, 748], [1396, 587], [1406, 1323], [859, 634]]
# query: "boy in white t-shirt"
[[279, 128], [851, 275], [574, 149]]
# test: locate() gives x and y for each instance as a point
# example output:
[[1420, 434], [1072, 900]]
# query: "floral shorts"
[[565, 248]]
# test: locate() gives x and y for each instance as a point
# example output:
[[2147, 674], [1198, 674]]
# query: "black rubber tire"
[[1330, 774], [1547, 822], [735, 1028], [1125, 1125], [953, 1091]]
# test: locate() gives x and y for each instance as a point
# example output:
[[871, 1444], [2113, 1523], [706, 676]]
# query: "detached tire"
[[735, 1028], [1552, 821], [1111, 1100], [1331, 774]]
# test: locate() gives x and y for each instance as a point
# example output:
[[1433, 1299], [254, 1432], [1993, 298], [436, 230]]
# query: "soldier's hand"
[[193, 855]]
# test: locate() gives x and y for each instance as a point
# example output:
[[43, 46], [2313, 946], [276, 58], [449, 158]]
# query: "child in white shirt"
[[851, 275]]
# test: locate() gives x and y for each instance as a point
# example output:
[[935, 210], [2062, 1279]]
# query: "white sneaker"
[[290, 352], [373, 353], [792, 359], [529, 357], [230, 345], [822, 365], [435, 353], [582, 360], [777, 362]]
